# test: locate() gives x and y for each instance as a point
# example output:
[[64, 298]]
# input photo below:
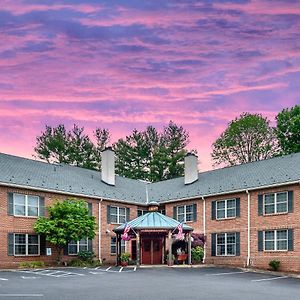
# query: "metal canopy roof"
[[153, 220]]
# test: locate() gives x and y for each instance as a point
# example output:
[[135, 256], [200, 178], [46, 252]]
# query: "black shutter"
[[10, 244], [90, 245], [291, 239], [90, 208], [260, 241], [42, 206], [213, 210], [237, 244], [195, 212], [10, 204], [127, 214], [238, 207], [260, 205], [213, 244], [290, 201], [139, 212], [42, 245], [66, 250], [175, 212], [108, 214]]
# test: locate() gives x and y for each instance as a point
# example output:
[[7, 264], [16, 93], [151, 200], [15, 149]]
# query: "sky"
[[129, 64]]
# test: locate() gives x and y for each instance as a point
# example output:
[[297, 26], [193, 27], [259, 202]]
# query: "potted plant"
[[124, 259]]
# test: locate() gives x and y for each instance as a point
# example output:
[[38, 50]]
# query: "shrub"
[[198, 239], [32, 264], [82, 263], [274, 264], [125, 257], [197, 254], [85, 255]]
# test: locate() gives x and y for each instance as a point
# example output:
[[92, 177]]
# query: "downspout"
[[204, 227], [249, 232], [99, 231]]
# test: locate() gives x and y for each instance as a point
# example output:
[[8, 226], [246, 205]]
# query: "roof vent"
[[108, 166], [190, 168]]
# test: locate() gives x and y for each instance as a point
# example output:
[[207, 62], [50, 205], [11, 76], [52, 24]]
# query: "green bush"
[[197, 254], [274, 264], [85, 255], [80, 263], [31, 264], [125, 257]]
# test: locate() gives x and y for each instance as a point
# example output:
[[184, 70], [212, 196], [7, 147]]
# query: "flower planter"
[[124, 263]]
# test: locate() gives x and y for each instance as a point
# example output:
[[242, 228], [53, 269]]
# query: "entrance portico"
[[153, 234]]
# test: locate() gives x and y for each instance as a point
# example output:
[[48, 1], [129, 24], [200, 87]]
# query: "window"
[[26, 205], [276, 240], [26, 244], [226, 244], [117, 215], [226, 209], [185, 213], [113, 246], [141, 212], [275, 203], [75, 246]]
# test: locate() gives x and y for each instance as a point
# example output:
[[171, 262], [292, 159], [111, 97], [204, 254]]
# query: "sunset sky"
[[128, 64]]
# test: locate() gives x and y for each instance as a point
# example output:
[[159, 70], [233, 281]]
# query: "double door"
[[152, 249]]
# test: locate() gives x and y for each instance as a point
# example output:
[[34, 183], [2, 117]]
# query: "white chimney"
[[108, 166], [190, 168]]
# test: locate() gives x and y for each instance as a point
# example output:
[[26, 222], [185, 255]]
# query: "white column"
[[189, 248]]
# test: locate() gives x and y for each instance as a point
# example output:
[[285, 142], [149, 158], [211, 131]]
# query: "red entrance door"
[[151, 251]]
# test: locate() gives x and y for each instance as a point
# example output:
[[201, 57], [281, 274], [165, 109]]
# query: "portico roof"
[[153, 221]]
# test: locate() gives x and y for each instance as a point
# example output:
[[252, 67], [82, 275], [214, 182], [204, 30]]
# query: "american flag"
[[125, 236], [180, 234]]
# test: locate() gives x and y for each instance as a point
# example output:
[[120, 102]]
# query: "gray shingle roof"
[[68, 179]]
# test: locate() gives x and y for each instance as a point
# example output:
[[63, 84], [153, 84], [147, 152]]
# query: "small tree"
[[68, 221]]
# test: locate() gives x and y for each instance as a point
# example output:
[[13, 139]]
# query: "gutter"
[[248, 231], [204, 227], [99, 231]]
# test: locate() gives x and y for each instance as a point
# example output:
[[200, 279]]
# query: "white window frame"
[[26, 244], [26, 205], [276, 240], [78, 246], [226, 209], [185, 213], [114, 244], [226, 243], [275, 203], [118, 214]]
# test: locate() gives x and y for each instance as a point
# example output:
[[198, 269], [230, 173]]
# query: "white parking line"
[[108, 269], [134, 269], [226, 273], [3, 279], [26, 277], [97, 268], [121, 269], [269, 279]]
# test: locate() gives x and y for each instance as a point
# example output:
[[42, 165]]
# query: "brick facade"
[[290, 260]]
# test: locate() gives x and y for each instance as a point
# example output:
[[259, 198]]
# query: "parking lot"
[[149, 283]]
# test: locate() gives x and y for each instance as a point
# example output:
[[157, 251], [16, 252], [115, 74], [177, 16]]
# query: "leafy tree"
[[288, 130], [246, 139], [152, 156], [68, 220], [73, 147]]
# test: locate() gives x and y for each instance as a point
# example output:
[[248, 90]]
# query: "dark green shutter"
[[42, 206], [10, 244], [260, 205], [90, 245], [108, 214], [213, 244], [139, 212], [127, 214], [291, 239], [213, 210], [195, 212], [175, 212], [66, 250], [42, 245], [237, 244], [238, 207], [90, 208], [290, 201], [10, 204], [260, 241]]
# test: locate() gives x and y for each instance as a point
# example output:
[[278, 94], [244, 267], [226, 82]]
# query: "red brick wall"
[[13, 224]]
